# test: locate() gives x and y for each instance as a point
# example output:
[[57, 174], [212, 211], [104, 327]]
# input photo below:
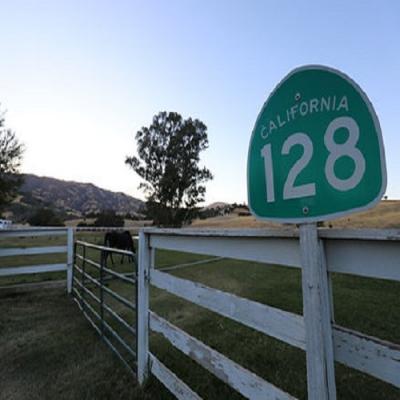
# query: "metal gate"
[[113, 316]]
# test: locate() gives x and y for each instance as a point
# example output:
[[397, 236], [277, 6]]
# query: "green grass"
[[84, 368], [48, 351]]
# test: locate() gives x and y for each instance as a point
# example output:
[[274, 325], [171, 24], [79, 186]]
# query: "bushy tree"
[[10, 160], [45, 217], [168, 162], [109, 218]]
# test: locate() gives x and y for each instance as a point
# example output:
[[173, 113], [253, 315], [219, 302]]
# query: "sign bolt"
[[305, 210], [297, 96]]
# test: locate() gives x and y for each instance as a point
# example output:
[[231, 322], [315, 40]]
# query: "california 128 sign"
[[316, 151]]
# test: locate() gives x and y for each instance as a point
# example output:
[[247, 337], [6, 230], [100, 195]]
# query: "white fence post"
[[143, 308], [70, 258], [317, 316]]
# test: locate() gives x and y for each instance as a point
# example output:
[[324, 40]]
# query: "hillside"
[[71, 199]]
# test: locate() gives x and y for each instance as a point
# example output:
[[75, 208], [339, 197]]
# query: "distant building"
[[5, 223]]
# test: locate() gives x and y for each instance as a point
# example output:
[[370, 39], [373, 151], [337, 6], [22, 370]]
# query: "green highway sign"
[[316, 151]]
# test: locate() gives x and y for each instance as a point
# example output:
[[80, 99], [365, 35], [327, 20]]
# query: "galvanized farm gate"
[[23, 234], [90, 276], [369, 253]]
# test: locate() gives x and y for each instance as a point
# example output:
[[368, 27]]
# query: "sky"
[[78, 79]]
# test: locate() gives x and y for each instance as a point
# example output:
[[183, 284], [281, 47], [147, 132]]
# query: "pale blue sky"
[[79, 78]]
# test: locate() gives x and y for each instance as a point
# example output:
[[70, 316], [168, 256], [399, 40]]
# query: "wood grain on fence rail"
[[280, 251], [346, 253], [274, 322], [33, 232], [242, 380], [30, 251], [32, 269], [368, 354], [176, 386]]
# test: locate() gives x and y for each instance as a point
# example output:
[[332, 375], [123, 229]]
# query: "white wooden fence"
[[372, 253], [25, 251], [107, 228]]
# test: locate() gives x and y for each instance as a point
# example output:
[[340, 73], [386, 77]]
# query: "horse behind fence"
[[118, 240]]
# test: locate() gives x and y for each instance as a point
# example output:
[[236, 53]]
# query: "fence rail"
[[42, 250], [368, 354], [271, 321], [32, 232], [371, 253], [349, 252], [177, 387], [245, 382], [29, 251], [108, 228]]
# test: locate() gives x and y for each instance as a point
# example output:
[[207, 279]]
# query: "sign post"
[[316, 153], [317, 316]]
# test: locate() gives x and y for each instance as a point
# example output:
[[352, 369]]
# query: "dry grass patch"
[[385, 215]]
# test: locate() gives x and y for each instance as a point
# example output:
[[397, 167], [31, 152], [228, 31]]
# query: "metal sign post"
[[316, 153]]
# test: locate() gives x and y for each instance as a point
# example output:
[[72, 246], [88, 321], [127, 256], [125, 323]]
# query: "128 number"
[[336, 151]]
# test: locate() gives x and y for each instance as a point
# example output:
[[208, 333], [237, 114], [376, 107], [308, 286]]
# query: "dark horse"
[[118, 240]]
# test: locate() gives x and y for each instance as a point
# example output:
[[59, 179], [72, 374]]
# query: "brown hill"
[[72, 199]]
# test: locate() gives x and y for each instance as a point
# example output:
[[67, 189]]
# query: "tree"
[[10, 160], [45, 217], [109, 218], [168, 158]]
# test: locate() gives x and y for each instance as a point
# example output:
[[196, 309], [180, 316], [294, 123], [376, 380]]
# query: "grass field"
[[48, 350]]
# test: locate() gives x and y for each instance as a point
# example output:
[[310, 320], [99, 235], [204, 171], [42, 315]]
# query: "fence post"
[[70, 258], [317, 316], [143, 308]]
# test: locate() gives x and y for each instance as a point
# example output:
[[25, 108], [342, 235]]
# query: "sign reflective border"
[[316, 151]]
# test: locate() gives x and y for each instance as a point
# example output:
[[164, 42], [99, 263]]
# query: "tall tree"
[[10, 160], [109, 218], [45, 217], [168, 161]]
